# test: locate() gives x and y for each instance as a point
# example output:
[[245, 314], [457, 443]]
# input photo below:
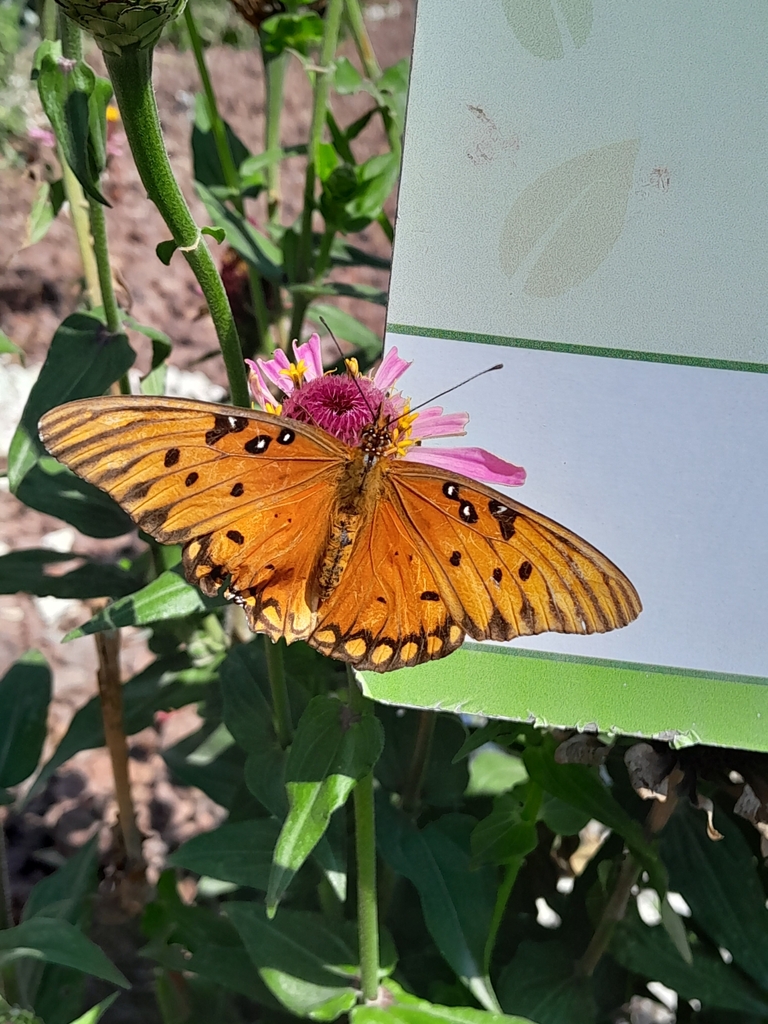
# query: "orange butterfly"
[[380, 560]]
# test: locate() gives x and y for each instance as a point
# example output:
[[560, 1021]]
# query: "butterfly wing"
[[501, 569], [248, 494], [386, 613]]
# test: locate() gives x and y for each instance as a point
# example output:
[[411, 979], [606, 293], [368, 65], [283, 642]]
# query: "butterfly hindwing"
[[387, 611], [512, 571], [245, 492]]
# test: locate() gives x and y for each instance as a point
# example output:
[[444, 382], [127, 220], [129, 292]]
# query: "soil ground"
[[39, 286]]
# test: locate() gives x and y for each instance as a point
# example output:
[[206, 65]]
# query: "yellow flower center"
[[401, 433], [296, 372]]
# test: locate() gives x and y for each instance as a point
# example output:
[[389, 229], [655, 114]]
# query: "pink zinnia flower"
[[345, 405]]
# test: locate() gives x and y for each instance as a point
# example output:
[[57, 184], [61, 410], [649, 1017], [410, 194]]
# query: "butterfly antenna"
[[341, 353], [490, 369]]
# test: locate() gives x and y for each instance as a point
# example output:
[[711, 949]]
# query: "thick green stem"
[[274, 76], [8, 978], [365, 848], [319, 110], [101, 252], [231, 175], [281, 705], [362, 39], [131, 74]]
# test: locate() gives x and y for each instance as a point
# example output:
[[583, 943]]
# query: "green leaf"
[[582, 788], [445, 781], [347, 79], [63, 893], [307, 966], [25, 572], [168, 683], [251, 168], [295, 32], [332, 749], [365, 292], [720, 883], [247, 714], [346, 327], [56, 941], [207, 168], [45, 208], [651, 953], [244, 238], [503, 837], [82, 361], [211, 760], [408, 1009], [165, 250], [7, 347], [94, 1015], [154, 382], [493, 771], [541, 983], [562, 818], [167, 597], [25, 692], [75, 101], [50, 487], [239, 852], [345, 255], [457, 901]]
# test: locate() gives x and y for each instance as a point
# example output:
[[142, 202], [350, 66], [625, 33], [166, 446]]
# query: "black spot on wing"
[[525, 570], [237, 490], [258, 444], [467, 512], [192, 478], [236, 536], [451, 490], [223, 425], [286, 436], [171, 457], [504, 516], [430, 595], [497, 574], [455, 558]]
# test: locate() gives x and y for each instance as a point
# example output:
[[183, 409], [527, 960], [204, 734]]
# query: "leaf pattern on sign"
[[536, 26], [571, 218]]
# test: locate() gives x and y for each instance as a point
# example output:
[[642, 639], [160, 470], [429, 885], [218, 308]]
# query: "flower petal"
[[312, 355], [271, 368], [474, 462], [433, 423], [259, 390], [391, 367]]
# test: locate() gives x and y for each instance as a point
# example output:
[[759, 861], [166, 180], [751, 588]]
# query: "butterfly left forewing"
[[246, 493], [514, 571]]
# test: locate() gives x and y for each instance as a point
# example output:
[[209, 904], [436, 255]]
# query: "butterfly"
[[377, 561]]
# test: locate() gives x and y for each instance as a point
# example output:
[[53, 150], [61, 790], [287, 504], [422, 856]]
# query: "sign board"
[[585, 198]]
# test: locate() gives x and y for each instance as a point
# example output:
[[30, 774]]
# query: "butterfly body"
[[373, 559]]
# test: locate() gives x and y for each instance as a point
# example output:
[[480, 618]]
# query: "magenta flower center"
[[342, 405]]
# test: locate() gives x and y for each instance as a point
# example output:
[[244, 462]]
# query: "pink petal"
[[261, 393], [392, 367], [312, 355], [44, 135], [474, 462], [432, 423], [271, 369]]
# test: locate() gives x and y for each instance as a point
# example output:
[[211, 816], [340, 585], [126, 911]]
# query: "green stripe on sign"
[[579, 350]]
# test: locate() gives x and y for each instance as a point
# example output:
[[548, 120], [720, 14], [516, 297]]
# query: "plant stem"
[[274, 77], [230, 172], [419, 760], [111, 700], [319, 109], [131, 74], [362, 39], [281, 705], [101, 253], [614, 911], [365, 848]]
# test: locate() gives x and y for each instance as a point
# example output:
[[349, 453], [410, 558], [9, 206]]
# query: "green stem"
[[131, 74], [101, 252], [502, 898], [274, 75], [281, 705], [362, 39], [230, 172], [319, 109], [365, 848], [50, 20], [614, 911]]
